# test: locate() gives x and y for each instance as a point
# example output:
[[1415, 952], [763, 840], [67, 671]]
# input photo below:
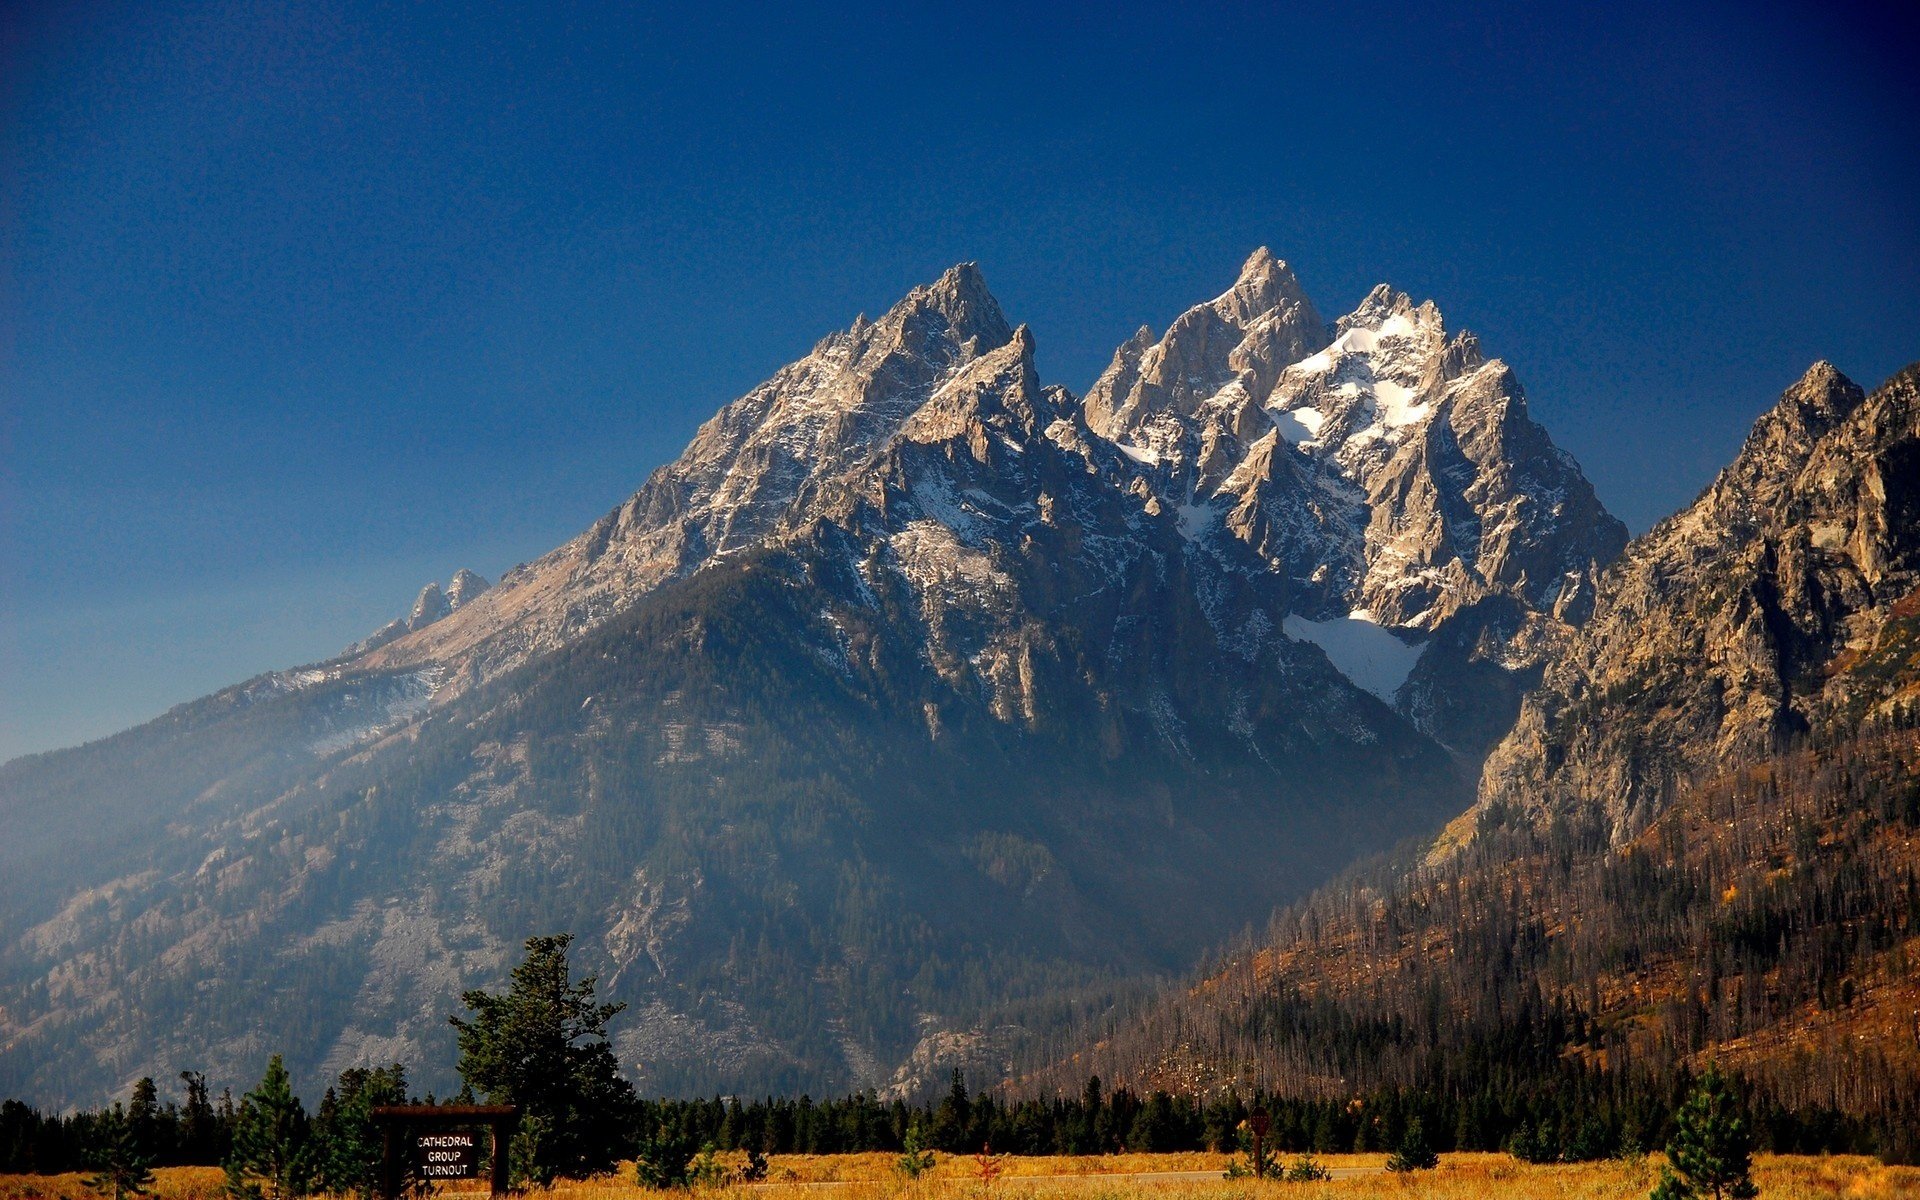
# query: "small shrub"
[[663, 1160], [915, 1159], [989, 1166], [707, 1170], [1305, 1169], [1531, 1145], [1413, 1153], [756, 1168]]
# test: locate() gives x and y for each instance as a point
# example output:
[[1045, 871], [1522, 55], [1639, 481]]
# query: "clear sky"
[[304, 304]]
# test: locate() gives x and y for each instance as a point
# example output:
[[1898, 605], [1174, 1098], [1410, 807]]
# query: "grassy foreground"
[[956, 1177]]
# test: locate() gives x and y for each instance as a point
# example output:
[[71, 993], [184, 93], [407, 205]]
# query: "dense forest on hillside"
[[1770, 920], [1575, 1117]]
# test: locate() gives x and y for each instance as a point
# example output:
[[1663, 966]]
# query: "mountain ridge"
[[833, 741], [1697, 844]]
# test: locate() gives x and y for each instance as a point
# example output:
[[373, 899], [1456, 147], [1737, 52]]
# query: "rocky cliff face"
[[912, 692], [1423, 530], [1427, 530], [1780, 603], [749, 477]]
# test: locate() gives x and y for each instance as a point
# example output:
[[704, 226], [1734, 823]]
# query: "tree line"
[[541, 1045], [1543, 974]]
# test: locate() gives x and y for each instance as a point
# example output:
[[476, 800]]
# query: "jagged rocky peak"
[[1000, 389], [1242, 337], [1379, 379], [1784, 437], [1770, 607], [429, 607], [1386, 468], [464, 587], [819, 417], [1379, 465]]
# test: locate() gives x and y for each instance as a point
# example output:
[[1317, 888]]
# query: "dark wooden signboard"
[[451, 1155], [443, 1142]]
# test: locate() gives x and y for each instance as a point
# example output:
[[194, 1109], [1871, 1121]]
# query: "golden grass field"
[[1113, 1177]]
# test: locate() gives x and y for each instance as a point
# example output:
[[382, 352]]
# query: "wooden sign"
[[445, 1143], [453, 1155]]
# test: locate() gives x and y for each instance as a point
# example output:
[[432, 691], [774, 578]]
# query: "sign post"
[[1259, 1122], [431, 1138]]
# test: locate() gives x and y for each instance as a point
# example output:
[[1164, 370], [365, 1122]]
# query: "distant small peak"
[[1386, 300], [961, 296], [1826, 396], [465, 587], [1266, 284], [1259, 265], [1821, 375], [964, 275], [429, 607], [1826, 390], [1818, 401], [1385, 303], [963, 284]]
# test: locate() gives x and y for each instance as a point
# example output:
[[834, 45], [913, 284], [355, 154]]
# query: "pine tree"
[[1711, 1148], [1413, 1153], [272, 1156], [120, 1162], [664, 1159], [951, 1119], [199, 1128], [915, 1159], [348, 1149], [543, 1046], [143, 1117]]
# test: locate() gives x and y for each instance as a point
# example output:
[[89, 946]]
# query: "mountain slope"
[[901, 714], [1701, 841], [1776, 606]]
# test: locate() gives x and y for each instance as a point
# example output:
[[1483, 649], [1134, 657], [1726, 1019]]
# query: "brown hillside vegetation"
[[1770, 919]]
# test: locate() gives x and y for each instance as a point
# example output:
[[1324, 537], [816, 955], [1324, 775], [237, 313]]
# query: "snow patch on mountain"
[[1373, 657]]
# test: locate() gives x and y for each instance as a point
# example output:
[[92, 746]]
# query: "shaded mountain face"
[[915, 703], [1697, 844], [1782, 603]]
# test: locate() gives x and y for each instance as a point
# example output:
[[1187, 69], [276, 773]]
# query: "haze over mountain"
[[915, 706], [1698, 843]]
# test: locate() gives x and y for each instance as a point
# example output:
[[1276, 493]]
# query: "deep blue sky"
[[304, 304]]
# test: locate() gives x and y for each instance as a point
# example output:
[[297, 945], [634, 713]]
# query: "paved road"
[[1129, 1176]]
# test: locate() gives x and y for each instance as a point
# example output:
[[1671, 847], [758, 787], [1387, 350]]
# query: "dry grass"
[[170, 1183], [870, 1177]]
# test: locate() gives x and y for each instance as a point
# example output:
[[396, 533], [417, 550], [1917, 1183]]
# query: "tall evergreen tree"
[[348, 1144], [143, 1116], [1711, 1148], [543, 1046], [199, 1129], [121, 1164], [272, 1156]]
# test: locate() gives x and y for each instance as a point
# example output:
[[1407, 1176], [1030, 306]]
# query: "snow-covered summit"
[[1382, 465]]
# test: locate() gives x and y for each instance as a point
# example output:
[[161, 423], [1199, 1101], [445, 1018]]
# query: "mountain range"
[[920, 710], [1700, 841]]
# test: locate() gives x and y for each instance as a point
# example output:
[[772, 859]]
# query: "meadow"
[[1119, 1176]]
